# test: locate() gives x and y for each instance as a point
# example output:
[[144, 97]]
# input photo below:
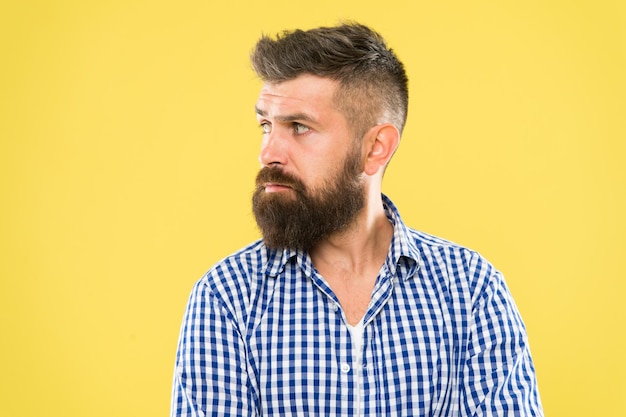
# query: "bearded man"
[[341, 309]]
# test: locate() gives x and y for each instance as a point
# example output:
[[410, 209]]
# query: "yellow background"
[[128, 147]]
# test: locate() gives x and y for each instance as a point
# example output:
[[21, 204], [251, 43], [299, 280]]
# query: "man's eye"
[[266, 128], [300, 128]]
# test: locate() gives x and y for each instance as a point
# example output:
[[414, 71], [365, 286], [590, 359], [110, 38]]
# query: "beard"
[[301, 218]]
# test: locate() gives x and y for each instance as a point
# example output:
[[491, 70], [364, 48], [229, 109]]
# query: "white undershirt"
[[356, 333]]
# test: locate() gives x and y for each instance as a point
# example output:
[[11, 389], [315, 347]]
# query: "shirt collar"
[[403, 257], [277, 259]]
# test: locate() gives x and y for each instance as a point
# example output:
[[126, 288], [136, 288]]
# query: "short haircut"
[[373, 85]]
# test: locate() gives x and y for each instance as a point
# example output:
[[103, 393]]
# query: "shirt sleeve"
[[210, 377], [499, 376]]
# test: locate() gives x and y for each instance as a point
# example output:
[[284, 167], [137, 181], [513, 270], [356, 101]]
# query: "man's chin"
[[287, 194]]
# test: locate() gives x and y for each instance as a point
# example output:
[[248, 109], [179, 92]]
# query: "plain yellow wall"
[[128, 147]]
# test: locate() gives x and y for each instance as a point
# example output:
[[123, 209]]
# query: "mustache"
[[277, 176]]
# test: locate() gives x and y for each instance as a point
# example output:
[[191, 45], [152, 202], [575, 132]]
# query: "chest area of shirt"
[[306, 313], [302, 348], [304, 323]]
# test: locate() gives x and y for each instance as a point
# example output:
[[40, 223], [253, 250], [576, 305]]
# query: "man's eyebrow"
[[259, 111], [287, 118]]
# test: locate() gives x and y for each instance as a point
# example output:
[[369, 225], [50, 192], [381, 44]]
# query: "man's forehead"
[[302, 87], [306, 93]]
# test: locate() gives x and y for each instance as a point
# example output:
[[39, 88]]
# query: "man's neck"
[[360, 248], [351, 260]]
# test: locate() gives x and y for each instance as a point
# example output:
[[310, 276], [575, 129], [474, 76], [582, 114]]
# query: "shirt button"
[[335, 307], [345, 368]]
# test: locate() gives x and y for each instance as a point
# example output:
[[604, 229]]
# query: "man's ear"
[[381, 142]]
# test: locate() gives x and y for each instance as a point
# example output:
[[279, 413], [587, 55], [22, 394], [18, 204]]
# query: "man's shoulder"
[[417, 243], [236, 269], [233, 282], [450, 260], [430, 240], [244, 261], [426, 242]]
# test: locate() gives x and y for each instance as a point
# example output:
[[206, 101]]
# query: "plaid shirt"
[[263, 334]]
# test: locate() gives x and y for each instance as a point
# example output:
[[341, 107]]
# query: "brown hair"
[[373, 86]]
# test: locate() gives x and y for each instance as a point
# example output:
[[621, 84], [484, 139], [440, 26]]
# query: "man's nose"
[[273, 149]]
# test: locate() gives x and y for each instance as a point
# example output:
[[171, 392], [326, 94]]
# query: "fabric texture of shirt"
[[264, 335]]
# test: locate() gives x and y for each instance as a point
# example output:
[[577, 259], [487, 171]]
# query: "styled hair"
[[373, 85]]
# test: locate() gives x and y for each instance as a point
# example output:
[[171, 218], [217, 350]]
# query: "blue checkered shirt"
[[264, 335]]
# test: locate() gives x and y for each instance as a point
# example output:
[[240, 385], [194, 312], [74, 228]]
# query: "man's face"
[[310, 185]]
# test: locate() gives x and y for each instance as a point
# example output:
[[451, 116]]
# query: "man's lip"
[[273, 187]]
